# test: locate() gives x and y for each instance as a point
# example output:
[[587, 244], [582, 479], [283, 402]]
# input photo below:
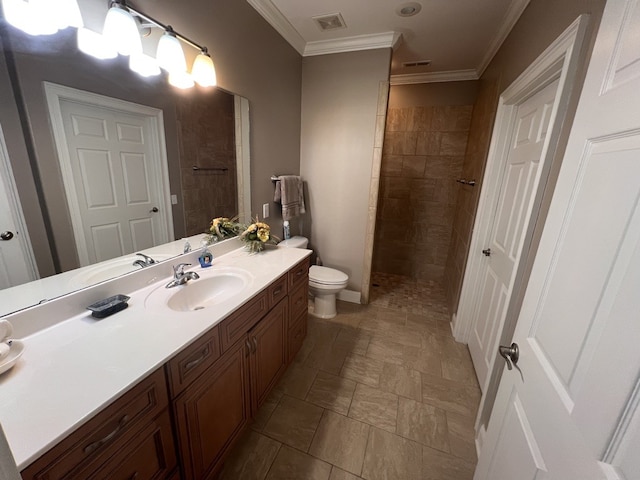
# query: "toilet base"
[[324, 306]]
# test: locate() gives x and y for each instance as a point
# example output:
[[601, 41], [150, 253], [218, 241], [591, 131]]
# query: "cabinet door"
[[212, 412], [268, 359], [149, 456]]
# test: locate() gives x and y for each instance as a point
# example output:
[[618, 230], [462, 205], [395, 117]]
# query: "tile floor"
[[382, 391]]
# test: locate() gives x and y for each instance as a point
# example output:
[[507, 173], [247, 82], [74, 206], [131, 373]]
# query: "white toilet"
[[324, 283]]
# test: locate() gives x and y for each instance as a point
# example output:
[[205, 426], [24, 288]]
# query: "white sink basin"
[[212, 288]]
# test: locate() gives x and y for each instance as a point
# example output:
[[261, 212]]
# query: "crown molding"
[[435, 77], [508, 22], [352, 44], [274, 17]]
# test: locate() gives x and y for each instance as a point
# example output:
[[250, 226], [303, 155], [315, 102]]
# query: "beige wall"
[[433, 94], [540, 24], [339, 106], [260, 66]]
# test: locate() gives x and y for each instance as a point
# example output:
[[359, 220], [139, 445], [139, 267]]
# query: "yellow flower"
[[263, 234]]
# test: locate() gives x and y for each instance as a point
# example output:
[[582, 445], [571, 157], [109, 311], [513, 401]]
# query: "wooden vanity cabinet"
[[131, 437], [213, 387], [298, 308], [211, 413], [268, 358]]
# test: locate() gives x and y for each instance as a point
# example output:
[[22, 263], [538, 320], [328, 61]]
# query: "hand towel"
[[290, 193]]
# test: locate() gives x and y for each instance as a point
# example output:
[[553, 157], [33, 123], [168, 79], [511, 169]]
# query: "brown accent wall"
[[422, 157], [540, 24], [206, 137]]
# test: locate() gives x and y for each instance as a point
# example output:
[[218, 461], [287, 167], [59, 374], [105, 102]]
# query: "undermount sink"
[[212, 288]]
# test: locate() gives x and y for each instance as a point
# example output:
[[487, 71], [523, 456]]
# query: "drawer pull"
[[196, 361], [277, 292], [255, 344], [299, 273], [99, 443], [248, 345]]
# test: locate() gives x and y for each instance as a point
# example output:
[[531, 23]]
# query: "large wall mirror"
[[97, 134]]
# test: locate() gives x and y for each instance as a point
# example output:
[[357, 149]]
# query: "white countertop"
[[75, 367]]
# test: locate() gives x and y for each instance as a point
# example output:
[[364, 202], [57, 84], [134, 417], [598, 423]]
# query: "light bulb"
[[94, 44], [144, 65], [68, 14], [170, 55], [181, 80], [121, 30], [203, 71], [18, 14]]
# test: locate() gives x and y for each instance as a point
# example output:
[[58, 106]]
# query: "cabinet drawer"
[[299, 273], [193, 360], [234, 327], [297, 334], [103, 435], [298, 302], [149, 455], [277, 291]]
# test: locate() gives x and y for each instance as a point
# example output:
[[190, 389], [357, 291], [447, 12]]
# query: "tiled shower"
[[423, 156]]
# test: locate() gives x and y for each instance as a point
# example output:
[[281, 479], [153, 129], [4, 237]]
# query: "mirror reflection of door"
[[17, 265], [117, 195]]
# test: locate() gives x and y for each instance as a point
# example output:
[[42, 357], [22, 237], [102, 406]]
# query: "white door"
[[575, 414], [519, 183], [17, 265], [115, 176]]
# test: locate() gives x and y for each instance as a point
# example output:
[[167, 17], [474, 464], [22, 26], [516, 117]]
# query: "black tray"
[[108, 306]]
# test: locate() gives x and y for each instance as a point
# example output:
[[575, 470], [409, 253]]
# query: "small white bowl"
[[17, 347]]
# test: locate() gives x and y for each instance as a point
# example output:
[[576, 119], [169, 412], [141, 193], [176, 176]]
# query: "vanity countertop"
[[72, 369]]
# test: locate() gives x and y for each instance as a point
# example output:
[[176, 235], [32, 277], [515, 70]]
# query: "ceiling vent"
[[330, 22], [421, 63]]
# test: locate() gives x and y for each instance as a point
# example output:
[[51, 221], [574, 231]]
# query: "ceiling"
[[458, 37]]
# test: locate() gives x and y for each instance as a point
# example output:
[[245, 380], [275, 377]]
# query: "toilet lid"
[[327, 276]]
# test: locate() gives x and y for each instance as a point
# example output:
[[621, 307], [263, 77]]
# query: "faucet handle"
[[178, 270]]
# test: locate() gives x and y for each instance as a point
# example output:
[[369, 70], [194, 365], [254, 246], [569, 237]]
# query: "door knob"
[[154, 210], [6, 235], [486, 252], [510, 354]]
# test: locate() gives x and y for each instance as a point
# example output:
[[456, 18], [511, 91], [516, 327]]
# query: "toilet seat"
[[327, 276]]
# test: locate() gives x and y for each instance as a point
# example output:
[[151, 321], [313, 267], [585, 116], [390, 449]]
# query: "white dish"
[[17, 347]]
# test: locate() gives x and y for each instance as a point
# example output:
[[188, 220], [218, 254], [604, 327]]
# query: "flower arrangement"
[[257, 235], [223, 227]]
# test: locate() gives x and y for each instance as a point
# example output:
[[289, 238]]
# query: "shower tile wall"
[[206, 133], [422, 157]]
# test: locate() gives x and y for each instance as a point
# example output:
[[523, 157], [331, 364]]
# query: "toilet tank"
[[295, 242]]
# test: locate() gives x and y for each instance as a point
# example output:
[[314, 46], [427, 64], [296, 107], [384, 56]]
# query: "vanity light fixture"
[[169, 54], [144, 65], [95, 44], [203, 71], [42, 17], [121, 30]]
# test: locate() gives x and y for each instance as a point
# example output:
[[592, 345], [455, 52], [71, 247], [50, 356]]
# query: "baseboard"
[[349, 296]]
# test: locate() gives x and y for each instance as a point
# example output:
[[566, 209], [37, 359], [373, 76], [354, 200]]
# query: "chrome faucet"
[[180, 277], [145, 262]]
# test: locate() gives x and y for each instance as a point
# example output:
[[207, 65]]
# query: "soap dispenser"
[[287, 230]]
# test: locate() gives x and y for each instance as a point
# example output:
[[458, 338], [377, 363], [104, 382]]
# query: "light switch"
[[265, 210], [174, 199]]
